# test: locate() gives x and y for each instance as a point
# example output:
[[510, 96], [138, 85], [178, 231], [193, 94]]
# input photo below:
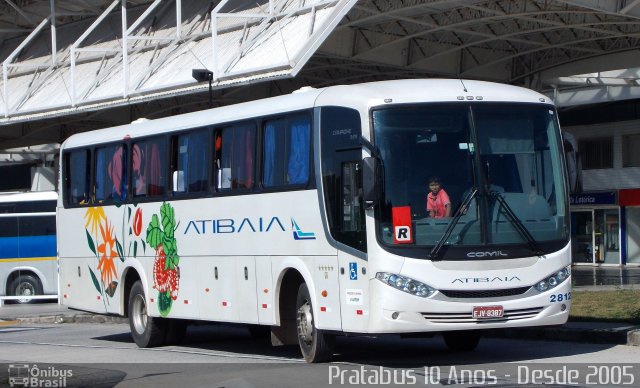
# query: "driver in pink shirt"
[[438, 203]]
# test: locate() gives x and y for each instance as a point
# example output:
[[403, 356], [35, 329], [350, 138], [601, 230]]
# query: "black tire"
[[25, 285], [147, 332], [462, 341], [176, 331], [315, 345]]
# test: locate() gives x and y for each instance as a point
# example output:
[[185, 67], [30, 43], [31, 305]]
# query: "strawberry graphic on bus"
[[166, 273]]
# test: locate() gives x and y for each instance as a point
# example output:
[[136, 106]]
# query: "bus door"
[[350, 225], [341, 162]]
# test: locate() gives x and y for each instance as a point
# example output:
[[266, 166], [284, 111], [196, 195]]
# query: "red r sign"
[[402, 231]]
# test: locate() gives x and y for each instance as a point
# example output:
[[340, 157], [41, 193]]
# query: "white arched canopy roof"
[[75, 65]]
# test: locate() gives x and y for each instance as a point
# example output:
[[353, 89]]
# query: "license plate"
[[488, 312]]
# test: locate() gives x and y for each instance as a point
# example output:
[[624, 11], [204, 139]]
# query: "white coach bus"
[[307, 213]]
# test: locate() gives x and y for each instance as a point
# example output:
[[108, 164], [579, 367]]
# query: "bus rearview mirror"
[[370, 189]]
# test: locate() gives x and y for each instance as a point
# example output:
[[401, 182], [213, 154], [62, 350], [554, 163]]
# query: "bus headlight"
[[405, 284], [553, 280]]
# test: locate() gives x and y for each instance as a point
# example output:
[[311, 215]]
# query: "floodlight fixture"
[[202, 75]]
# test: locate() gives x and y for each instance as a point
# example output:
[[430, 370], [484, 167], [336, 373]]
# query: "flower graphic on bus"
[[166, 273], [107, 252], [102, 241], [94, 216], [135, 238]]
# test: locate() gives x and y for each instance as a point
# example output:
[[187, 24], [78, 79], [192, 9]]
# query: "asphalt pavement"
[[583, 277]]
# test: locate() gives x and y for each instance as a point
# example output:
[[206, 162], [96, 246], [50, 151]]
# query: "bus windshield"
[[504, 158]]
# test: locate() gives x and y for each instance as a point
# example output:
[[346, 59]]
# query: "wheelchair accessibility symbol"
[[353, 271]]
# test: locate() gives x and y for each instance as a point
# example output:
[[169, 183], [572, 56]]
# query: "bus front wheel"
[[25, 285], [315, 344], [462, 341], [147, 332]]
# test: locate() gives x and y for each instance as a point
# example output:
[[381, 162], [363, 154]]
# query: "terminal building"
[[70, 66], [605, 216]]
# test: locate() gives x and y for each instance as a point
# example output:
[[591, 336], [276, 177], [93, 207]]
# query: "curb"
[[633, 338], [617, 336]]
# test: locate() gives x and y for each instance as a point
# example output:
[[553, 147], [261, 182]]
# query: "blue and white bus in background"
[[306, 214], [28, 256]]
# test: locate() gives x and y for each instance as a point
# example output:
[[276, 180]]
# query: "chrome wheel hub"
[[25, 289], [305, 323], [139, 313]]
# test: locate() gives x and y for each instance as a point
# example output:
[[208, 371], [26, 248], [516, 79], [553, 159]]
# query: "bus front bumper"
[[394, 311]]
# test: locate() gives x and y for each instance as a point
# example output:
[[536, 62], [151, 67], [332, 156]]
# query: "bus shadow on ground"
[[222, 338], [393, 351], [386, 350]]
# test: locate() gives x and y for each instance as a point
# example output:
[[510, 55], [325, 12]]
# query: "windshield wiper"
[[517, 223], [433, 255]]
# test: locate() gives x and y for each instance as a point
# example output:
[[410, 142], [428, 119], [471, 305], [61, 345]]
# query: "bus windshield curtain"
[[193, 161], [298, 166], [183, 161], [269, 153], [248, 158], [198, 162], [154, 172], [101, 167], [117, 170], [273, 150]]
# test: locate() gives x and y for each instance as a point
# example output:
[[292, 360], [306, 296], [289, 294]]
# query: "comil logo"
[[487, 254], [24, 375]]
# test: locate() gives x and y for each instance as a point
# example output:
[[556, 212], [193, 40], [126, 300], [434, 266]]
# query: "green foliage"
[[164, 303], [92, 245], [111, 289], [155, 235], [614, 306], [636, 315], [168, 220], [96, 283], [120, 250]]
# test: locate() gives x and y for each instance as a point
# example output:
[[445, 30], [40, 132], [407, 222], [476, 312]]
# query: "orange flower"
[[107, 249]]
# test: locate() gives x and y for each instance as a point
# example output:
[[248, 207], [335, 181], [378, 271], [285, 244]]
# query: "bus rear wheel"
[[462, 341], [315, 344], [25, 285], [147, 332]]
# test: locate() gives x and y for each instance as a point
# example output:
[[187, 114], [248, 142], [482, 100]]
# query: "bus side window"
[[237, 157], [286, 151], [149, 167], [189, 172], [110, 173], [77, 177]]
